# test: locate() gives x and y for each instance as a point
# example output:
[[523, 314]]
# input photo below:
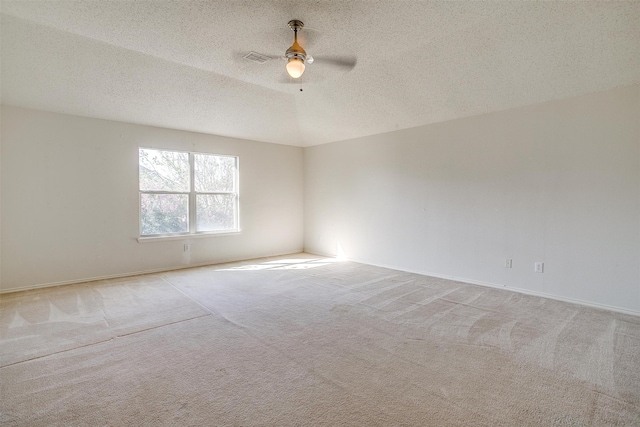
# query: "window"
[[187, 193]]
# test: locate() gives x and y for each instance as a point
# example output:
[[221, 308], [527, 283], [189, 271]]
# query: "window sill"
[[148, 239]]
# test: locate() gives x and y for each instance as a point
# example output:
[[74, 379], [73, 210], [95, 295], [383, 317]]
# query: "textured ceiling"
[[178, 64]]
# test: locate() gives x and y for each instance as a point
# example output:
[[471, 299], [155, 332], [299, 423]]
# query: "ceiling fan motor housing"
[[296, 51]]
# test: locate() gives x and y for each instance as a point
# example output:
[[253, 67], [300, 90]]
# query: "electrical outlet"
[[538, 267], [507, 263], [187, 247]]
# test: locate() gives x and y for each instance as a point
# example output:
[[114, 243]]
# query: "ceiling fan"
[[296, 55], [297, 58]]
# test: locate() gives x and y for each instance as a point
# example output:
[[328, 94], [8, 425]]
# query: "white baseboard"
[[392, 267], [493, 285], [138, 273]]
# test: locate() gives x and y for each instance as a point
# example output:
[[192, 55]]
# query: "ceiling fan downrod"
[[296, 51], [296, 55]]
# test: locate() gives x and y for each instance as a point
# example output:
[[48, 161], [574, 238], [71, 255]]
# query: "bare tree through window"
[[187, 192]]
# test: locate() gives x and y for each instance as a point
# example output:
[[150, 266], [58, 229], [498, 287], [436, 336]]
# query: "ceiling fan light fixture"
[[295, 67]]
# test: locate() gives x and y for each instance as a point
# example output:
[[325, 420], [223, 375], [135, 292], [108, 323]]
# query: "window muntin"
[[187, 193]]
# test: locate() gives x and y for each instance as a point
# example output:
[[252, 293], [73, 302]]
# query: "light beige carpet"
[[304, 340]]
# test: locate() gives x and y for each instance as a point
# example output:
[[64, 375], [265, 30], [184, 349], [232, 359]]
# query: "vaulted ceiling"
[[179, 64]]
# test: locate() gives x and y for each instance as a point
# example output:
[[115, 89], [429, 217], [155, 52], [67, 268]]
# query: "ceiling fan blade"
[[345, 62]]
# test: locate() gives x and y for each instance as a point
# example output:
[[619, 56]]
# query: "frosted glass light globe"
[[295, 67]]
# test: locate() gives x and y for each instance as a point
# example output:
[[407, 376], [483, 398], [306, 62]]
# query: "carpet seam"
[[57, 352], [211, 311], [187, 295], [115, 336]]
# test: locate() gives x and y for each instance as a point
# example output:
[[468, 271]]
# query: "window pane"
[[214, 173], [215, 212], [164, 213], [163, 170]]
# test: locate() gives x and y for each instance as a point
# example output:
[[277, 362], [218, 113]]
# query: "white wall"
[[557, 182], [70, 199], [0, 200]]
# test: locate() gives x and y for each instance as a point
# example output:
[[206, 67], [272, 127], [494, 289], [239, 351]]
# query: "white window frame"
[[192, 193]]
